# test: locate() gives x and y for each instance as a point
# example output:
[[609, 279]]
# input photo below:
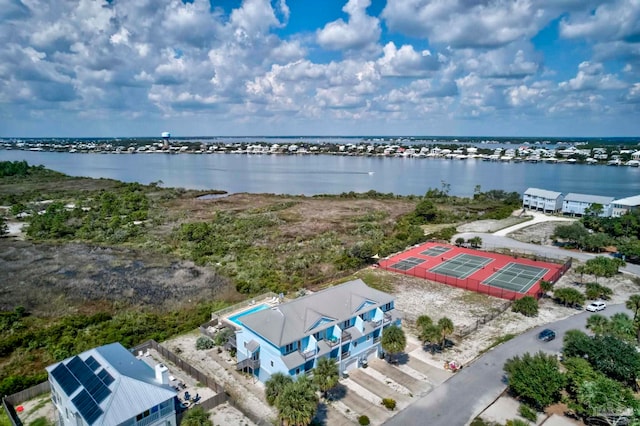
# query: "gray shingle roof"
[[292, 321], [252, 345], [586, 198], [542, 193]]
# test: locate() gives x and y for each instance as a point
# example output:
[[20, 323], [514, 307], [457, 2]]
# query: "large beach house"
[[344, 323], [577, 204], [109, 386], [543, 200], [625, 205]]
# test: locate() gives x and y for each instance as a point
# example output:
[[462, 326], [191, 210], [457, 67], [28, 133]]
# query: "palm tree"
[[427, 330], [423, 321], [622, 327], [475, 242], [326, 374], [545, 287], [196, 416], [298, 403], [275, 385], [393, 340], [598, 324], [581, 269], [446, 328], [633, 304]]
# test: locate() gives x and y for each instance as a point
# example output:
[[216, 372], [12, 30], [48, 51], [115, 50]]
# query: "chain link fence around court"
[[478, 286]]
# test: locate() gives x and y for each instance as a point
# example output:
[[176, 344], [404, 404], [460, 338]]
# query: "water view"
[[325, 174]]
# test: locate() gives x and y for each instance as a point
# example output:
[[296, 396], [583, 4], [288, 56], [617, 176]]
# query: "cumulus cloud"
[[591, 76], [406, 62], [464, 23], [512, 61], [616, 20], [195, 63], [360, 32]]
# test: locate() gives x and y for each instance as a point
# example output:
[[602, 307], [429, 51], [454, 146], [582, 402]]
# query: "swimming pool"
[[236, 318]]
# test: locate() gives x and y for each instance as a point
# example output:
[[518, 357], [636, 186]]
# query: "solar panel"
[[88, 379], [92, 363], [65, 379], [89, 410], [105, 377], [100, 393], [79, 369]]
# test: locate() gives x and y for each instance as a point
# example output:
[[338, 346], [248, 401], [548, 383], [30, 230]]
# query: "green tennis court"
[[462, 265], [408, 263], [435, 251], [516, 277]]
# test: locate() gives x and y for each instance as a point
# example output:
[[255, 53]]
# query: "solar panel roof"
[[65, 379], [92, 363], [88, 379], [89, 410], [105, 377]]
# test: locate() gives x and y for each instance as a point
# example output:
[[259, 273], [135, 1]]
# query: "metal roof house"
[[577, 204], [543, 200], [109, 386], [344, 323], [625, 205]]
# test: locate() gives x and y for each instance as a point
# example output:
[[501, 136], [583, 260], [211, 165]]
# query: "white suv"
[[596, 306]]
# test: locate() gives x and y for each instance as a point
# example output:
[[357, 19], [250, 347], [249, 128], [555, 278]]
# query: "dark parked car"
[[546, 335]]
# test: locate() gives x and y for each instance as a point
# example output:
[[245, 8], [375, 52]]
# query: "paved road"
[[461, 398]]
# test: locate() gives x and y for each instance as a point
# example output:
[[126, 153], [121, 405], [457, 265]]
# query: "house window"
[[298, 370], [272, 363], [142, 415], [289, 348], [368, 337], [345, 324], [387, 307]]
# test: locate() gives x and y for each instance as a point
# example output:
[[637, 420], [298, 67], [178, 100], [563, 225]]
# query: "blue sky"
[[297, 67]]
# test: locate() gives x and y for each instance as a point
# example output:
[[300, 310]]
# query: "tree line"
[[594, 233], [597, 376]]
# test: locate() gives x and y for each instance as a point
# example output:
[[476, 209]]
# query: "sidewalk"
[[537, 218]]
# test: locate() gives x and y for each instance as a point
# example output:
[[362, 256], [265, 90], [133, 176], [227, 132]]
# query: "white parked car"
[[596, 306]]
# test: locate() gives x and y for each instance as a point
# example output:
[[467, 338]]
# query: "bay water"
[[333, 174]]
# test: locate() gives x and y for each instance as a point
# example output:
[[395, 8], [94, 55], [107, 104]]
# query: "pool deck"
[[225, 320]]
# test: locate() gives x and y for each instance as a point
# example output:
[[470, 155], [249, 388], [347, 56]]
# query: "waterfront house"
[[624, 205], [344, 323], [109, 386], [576, 204], [543, 200]]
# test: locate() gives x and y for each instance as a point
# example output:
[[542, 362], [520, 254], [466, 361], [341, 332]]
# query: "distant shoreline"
[[576, 153]]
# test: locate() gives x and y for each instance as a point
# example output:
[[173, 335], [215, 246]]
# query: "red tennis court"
[[500, 275]]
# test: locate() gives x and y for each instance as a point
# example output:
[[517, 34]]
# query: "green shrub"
[[203, 343], [389, 403], [40, 421], [527, 306], [222, 336], [445, 233], [363, 420], [595, 291], [516, 422], [527, 412]]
